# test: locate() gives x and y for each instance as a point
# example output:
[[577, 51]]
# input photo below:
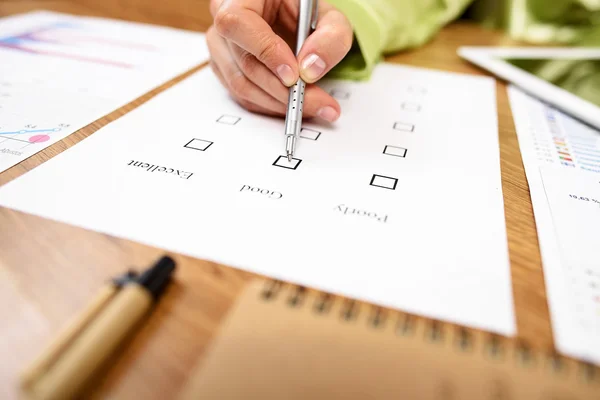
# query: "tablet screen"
[[580, 77]]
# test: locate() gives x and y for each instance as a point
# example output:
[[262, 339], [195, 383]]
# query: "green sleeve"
[[541, 21], [385, 26], [578, 76]]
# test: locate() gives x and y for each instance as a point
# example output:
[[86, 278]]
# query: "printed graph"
[[13, 141], [567, 142], [71, 41], [58, 69]]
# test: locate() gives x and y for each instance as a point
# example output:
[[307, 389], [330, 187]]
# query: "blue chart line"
[[594, 154], [25, 131], [594, 160], [585, 145], [36, 135]]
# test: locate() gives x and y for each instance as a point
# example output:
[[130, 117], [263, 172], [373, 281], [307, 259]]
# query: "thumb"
[[247, 29], [326, 46]]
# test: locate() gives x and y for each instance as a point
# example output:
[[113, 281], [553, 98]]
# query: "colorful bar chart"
[[574, 144]]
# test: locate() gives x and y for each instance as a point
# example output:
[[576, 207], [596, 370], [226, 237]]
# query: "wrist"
[[368, 40]]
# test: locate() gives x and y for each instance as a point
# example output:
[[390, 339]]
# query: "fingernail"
[[286, 74], [329, 114], [313, 67]]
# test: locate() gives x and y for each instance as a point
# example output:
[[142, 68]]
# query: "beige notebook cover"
[[284, 342]]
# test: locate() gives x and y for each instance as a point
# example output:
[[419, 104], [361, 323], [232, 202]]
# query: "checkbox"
[[198, 144], [282, 161], [310, 134], [395, 151], [340, 94], [385, 182], [404, 127], [411, 107], [229, 119]]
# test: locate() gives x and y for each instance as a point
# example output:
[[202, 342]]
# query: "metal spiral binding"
[[406, 325], [493, 348], [523, 355], [271, 290], [588, 372], [464, 340], [555, 363], [296, 297], [323, 303], [378, 317], [435, 332], [349, 311]]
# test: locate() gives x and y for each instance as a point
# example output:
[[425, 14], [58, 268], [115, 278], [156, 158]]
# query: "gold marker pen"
[[62, 375]]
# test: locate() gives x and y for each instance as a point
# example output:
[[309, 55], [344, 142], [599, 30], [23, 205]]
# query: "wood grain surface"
[[50, 270]]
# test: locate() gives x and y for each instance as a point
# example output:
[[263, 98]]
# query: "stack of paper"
[[61, 72], [399, 203]]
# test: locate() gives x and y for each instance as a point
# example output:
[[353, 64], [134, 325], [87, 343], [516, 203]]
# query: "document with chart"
[[398, 203], [562, 161], [60, 72]]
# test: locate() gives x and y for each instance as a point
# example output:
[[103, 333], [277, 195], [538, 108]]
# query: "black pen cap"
[[156, 278]]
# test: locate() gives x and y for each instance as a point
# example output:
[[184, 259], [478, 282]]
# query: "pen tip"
[[289, 157]]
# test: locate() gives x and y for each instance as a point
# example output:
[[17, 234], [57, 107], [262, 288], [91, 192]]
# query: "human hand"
[[250, 54]]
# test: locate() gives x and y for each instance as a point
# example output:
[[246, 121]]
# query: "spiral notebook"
[[287, 342]]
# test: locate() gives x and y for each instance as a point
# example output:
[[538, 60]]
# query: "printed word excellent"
[[156, 168]]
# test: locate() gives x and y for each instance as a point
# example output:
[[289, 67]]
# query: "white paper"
[[574, 200], [60, 72], [557, 151], [399, 203]]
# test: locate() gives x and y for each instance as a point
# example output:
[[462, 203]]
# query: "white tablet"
[[567, 78]]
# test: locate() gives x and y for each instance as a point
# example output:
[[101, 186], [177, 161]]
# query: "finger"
[[212, 39], [214, 6], [257, 73], [246, 104], [252, 33], [255, 108], [326, 46], [235, 80], [218, 74], [318, 103]]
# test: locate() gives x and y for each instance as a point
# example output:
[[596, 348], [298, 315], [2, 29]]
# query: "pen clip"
[[315, 14]]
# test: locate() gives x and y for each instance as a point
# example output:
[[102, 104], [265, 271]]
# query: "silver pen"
[[307, 21]]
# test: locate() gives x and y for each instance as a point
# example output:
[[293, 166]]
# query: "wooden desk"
[[50, 269]]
